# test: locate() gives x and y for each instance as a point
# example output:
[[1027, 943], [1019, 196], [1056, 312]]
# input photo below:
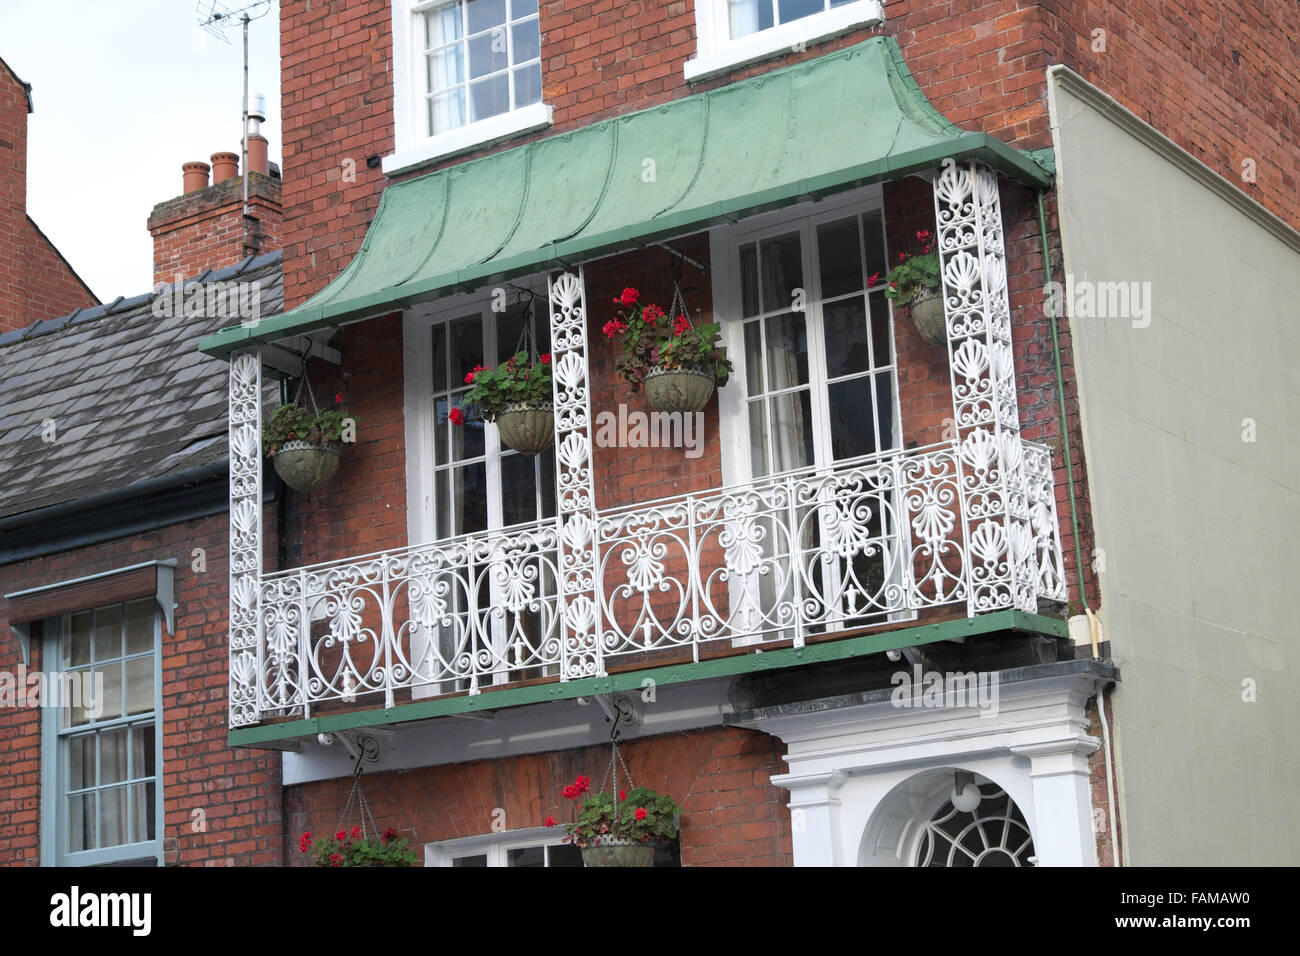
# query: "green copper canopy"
[[842, 120]]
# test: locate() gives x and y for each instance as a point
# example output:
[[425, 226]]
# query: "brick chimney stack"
[[204, 228]]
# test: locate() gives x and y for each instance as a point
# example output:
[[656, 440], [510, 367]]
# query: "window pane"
[[478, 860], [142, 747], [470, 491], [885, 409], [442, 26], [112, 677], [839, 256], [139, 626], [522, 8], [438, 340], [112, 817], [488, 53], [564, 854], [528, 85], [787, 351], [447, 111], [758, 439], [852, 423], [526, 42], [798, 9], [874, 231], [142, 812], [546, 472], [489, 97], [81, 762], [446, 68], [467, 440], [484, 14], [80, 709], [846, 338], [781, 271], [112, 756], [748, 16], [108, 632], [77, 647], [530, 856], [139, 685], [883, 352], [749, 280], [792, 435], [518, 489], [466, 346], [81, 823], [753, 359]]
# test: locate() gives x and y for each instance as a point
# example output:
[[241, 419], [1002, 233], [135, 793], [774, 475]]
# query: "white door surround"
[[866, 772]]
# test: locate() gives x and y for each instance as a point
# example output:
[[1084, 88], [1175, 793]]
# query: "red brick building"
[[869, 617]]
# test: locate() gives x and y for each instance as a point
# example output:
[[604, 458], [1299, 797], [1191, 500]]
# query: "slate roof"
[[129, 393]]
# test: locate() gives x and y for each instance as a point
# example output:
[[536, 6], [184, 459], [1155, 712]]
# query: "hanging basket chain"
[[526, 333], [615, 761], [304, 382], [678, 306], [357, 795]]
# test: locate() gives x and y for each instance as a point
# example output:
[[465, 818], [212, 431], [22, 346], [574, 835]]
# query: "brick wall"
[[35, 280], [205, 229], [720, 776], [237, 790]]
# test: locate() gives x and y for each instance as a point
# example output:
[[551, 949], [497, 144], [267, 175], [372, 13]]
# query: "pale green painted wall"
[[1199, 528]]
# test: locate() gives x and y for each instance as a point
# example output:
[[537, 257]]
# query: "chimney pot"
[[195, 176], [257, 156], [224, 166]]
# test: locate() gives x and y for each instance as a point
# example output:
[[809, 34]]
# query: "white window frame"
[[419, 412], [54, 772], [733, 423], [495, 846], [413, 147], [717, 53]]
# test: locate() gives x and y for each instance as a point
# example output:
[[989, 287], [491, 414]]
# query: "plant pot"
[[927, 315], [678, 389], [306, 466], [613, 851], [528, 429]]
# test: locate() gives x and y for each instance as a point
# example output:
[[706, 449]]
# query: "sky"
[[124, 93]]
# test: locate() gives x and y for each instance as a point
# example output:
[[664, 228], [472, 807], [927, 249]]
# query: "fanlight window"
[[993, 834]]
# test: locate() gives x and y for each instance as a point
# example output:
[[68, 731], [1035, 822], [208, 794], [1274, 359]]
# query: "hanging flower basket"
[[306, 465], [529, 429], [618, 851], [927, 315], [678, 389]]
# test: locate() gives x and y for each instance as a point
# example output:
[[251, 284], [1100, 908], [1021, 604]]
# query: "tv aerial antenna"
[[216, 18]]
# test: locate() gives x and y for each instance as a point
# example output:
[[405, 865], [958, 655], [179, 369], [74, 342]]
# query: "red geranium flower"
[[583, 784], [613, 327], [640, 813], [341, 835], [873, 279], [681, 325], [652, 313], [356, 833], [457, 416], [546, 358], [628, 297], [389, 835], [622, 794], [570, 792], [338, 398], [550, 821]]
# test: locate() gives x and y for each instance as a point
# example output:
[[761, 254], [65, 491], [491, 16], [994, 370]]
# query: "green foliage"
[[517, 382], [914, 273], [603, 814], [652, 339], [292, 422], [343, 849]]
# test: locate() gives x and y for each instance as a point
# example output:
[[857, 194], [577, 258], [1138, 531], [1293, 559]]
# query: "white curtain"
[[743, 16], [445, 68]]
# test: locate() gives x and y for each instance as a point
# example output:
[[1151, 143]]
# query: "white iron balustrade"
[[807, 553]]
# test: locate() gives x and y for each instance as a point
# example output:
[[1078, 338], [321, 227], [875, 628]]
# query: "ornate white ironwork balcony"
[[801, 556]]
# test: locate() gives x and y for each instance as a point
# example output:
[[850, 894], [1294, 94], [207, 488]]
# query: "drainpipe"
[[1094, 627]]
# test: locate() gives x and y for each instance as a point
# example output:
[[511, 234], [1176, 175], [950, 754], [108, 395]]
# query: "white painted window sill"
[[786, 38], [527, 119]]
